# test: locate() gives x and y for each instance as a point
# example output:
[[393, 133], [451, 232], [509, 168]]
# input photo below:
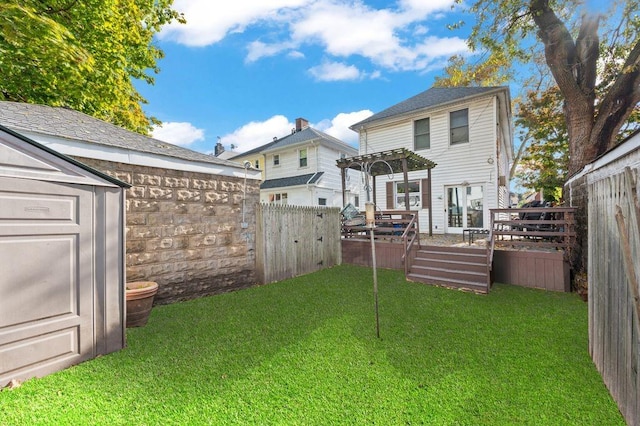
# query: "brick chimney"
[[301, 124], [219, 149]]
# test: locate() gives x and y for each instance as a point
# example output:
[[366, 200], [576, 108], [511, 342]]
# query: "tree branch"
[[618, 103], [587, 52]]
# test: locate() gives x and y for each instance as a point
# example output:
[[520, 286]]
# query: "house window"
[[257, 164], [356, 201], [421, 134], [276, 159], [302, 156], [280, 198], [459, 126], [322, 201], [414, 195]]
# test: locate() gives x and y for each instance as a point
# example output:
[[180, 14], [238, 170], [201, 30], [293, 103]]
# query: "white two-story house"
[[300, 168], [467, 132]]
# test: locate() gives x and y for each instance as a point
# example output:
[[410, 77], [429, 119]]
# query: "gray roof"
[[291, 181], [69, 124], [304, 135], [63, 157], [428, 99]]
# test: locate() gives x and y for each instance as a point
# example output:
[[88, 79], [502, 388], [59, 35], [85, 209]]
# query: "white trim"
[[78, 148]]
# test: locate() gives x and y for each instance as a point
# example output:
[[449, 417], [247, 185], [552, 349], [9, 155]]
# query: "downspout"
[[317, 162]]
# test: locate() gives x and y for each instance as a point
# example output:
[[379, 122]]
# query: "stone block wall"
[[184, 230]]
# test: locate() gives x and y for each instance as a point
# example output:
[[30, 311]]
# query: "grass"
[[304, 352]]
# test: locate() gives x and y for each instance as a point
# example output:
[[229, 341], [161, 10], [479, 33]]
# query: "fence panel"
[[614, 342], [296, 240]]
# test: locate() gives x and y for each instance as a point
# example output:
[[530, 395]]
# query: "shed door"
[[46, 277]]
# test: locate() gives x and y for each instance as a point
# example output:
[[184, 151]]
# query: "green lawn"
[[304, 352]]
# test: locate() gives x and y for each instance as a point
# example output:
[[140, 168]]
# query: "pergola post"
[[343, 172], [405, 173], [430, 205]]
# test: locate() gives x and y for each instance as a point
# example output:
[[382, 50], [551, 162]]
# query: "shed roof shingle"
[[70, 124]]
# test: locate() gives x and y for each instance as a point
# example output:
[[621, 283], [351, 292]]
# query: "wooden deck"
[[529, 251]]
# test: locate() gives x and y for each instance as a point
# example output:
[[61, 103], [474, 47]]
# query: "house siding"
[[456, 164], [320, 158]]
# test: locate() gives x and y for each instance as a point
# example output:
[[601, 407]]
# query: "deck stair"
[[455, 267]]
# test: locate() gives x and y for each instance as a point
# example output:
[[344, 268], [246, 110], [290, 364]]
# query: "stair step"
[[477, 264], [479, 287], [432, 254], [449, 270]]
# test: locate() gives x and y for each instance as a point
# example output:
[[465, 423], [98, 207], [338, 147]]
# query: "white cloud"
[[338, 126], [335, 71], [392, 38], [183, 134], [208, 21], [257, 133]]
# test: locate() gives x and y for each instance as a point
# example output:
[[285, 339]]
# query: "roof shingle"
[[429, 98], [69, 124]]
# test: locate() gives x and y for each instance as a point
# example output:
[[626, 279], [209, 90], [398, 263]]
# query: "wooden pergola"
[[393, 161]]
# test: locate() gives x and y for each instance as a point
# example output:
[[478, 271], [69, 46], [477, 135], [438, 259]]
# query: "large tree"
[[594, 58], [83, 55]]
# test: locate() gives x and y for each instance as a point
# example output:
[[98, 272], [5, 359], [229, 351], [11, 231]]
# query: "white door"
[[464, 208], [46, 278]]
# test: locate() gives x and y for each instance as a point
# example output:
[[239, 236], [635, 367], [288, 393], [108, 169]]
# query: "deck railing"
[[392, 226], [540, 227]]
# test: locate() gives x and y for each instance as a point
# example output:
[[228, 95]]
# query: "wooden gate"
[[296, 240]]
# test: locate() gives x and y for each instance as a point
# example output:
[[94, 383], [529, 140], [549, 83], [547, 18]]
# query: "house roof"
[[69, 124], [309, 178], [305, 135], [435, 96], [387, 162]]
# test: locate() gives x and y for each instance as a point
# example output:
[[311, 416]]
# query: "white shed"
[[62, 275]]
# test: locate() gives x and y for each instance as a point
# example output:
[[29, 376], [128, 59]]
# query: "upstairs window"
[[276, 159], [459, 126], [257, 165], [302, 156], [421, 134]]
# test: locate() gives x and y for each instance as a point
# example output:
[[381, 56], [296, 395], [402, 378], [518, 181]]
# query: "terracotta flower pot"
[[140, 296]]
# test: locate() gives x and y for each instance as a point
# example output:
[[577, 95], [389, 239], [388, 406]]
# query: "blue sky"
[[245, 70]]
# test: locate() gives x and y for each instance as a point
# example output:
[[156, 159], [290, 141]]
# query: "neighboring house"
[[190, 217], [300, 168], [467, 132]]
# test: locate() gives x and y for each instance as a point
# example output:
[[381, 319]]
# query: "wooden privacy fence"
[[614, 272], [296, 240]]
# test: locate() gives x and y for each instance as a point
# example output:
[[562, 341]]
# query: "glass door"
[[465, 208]]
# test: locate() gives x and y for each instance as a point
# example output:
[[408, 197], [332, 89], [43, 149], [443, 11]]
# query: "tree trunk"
[[591, 131]]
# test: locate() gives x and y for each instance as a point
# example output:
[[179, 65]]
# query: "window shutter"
[[426, 193], [390, 203]]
